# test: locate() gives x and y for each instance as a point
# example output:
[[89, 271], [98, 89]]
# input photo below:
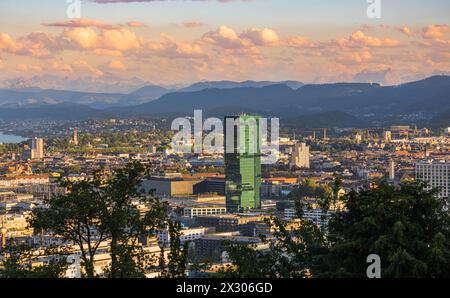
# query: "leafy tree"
[[123, 221], [18, 259], [408, 226], [291, 253], [176, 265], [103, 209], [76, 217]]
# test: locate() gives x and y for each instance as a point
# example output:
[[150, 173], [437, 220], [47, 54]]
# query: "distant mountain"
[[441, 119], [106, 83], [63, 111], [147, 94], [26, 97], [186, 102], [324, 120], [416, 102], [412, 101], [230, 84]]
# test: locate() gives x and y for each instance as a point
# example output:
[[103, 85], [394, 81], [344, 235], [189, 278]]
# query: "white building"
[[315, 215], [300, 156], [192, 212], [187, 235], [436, 174]]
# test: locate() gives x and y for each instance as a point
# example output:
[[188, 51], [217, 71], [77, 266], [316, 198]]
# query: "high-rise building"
[[391, 170], [436, 174], [387, 136], [75, 137], [3, 232], [37, 148], [242, 162], [300, 156]]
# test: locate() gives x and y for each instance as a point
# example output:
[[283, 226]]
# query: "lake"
[[10, 139]]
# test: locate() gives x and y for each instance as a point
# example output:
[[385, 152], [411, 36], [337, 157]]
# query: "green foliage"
[[102, 209], [18, 259], [76, 218], [176, 265], [290, 254], [406, 225]]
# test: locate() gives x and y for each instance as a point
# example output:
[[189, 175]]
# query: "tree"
[[291, 252], [408, 226], [124, 222], [176, 265], [103, 209], [18, 259], [76, 217]]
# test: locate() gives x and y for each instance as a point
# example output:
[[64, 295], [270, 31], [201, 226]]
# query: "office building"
[[37, 148], [75, 137], [387, 136], [186, 235], [300, 156], [168, 187], [212, 247], [193, 212], [210, 186], [242, 163], [391, 170], [436, 174]]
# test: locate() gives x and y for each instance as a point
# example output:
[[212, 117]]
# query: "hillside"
[[324, 120], [441, 120], [413, 103]]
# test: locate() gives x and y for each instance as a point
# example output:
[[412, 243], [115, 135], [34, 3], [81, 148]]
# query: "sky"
[[185, 41]]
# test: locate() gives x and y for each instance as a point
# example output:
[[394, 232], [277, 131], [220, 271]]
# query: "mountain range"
[[416, 102]]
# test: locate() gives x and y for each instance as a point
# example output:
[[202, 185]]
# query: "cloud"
[[81, 23], [135, 24], [360, 39], [224, 37], [355, 57], [84, 67], [115, 65], [261, 37], [223, 52], [435, 32], [193, 24], [406, 30], [8, 44], [382, 76]]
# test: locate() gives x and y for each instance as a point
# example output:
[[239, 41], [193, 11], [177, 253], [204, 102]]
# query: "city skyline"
[[181, 42]]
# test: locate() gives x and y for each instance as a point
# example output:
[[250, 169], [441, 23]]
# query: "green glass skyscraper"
[[242, 139]]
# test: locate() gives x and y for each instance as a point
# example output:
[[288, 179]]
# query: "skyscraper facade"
[[37, 148], [75, 137], [387, 135], [300, 156], [391, 170], [242, 162], [436, 174]]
